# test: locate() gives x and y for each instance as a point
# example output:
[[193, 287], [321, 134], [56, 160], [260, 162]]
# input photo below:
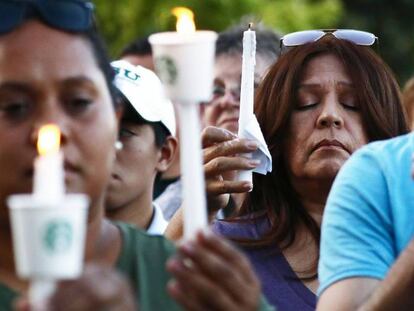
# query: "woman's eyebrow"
[[14, 86], [78, 81], [344, 84]]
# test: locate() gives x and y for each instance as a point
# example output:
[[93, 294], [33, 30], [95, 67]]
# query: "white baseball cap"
[[144, 91]]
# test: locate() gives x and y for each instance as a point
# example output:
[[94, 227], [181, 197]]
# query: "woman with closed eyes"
[[328, 94]]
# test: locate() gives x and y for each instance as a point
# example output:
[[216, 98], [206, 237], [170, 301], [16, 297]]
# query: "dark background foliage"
[[392, 21]]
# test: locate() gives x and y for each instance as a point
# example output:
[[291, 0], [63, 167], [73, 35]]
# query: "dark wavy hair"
[[382, 114]]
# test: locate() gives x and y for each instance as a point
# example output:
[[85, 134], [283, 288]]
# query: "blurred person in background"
[[147, 147], [139, 53], [223, 108], [167, 187]]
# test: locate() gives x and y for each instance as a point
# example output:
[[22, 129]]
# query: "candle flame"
[[185, 20], [48, 141]]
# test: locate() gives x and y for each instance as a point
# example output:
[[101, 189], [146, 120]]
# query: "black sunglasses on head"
[[69, 15], [298, 38]]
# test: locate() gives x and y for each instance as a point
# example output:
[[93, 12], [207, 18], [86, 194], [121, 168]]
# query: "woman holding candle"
[[224, 108], [53, 70], [325, 97]]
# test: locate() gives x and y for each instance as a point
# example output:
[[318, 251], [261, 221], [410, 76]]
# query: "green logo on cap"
[[58, 237], [127, 73], [167, 70]]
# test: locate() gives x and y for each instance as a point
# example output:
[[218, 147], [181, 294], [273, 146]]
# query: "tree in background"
[[393, 23], [122, 21]]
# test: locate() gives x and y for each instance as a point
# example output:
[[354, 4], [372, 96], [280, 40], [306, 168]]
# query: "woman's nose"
[[229, 99], [330, 115]]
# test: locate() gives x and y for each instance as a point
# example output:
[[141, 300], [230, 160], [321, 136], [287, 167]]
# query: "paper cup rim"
[[18, 201], [174, 38]]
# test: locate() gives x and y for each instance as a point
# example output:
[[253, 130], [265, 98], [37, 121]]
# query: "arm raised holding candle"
[[221, 155]]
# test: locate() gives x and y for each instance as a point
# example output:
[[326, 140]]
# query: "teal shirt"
[[368, 218]]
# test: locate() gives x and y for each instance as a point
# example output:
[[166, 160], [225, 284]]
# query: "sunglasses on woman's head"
[[298, 38], [69, 15]]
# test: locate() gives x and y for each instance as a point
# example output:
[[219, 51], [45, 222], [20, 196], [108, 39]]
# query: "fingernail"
[[254, 163], [252, 145], [232, 135], [248, 185], [188, 248], [173, 265], [207, 234]]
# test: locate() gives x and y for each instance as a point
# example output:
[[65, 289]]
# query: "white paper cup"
[[49, 241], [185, 64]]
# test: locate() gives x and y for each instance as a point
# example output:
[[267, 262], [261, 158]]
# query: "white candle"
[[247, 90], [49, 178], [48, 187], [247, 77], [48, 226], [184, 60], [192, 173]]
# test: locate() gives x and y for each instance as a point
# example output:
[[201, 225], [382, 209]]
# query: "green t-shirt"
[[142, 261], [146, 264], [7, 297]]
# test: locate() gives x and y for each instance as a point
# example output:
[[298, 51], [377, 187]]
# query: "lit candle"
[[49, 178], [48, 226], [247, 90], [184, 60], [185, 20]]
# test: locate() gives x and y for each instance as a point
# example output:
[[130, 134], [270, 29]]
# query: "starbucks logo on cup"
[[167, 70], [58, 236]]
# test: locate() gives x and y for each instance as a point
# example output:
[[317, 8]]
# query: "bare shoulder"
[[347, 294]]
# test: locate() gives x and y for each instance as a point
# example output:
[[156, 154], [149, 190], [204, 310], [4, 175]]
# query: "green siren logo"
[[58, 237], [166, 69]]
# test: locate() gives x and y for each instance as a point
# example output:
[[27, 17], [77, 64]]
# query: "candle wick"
[[250, 26]]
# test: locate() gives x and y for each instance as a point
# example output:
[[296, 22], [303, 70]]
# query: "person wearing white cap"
[[146, 148]]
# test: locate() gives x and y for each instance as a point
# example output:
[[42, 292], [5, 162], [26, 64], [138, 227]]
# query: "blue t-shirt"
[[369, 216]]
